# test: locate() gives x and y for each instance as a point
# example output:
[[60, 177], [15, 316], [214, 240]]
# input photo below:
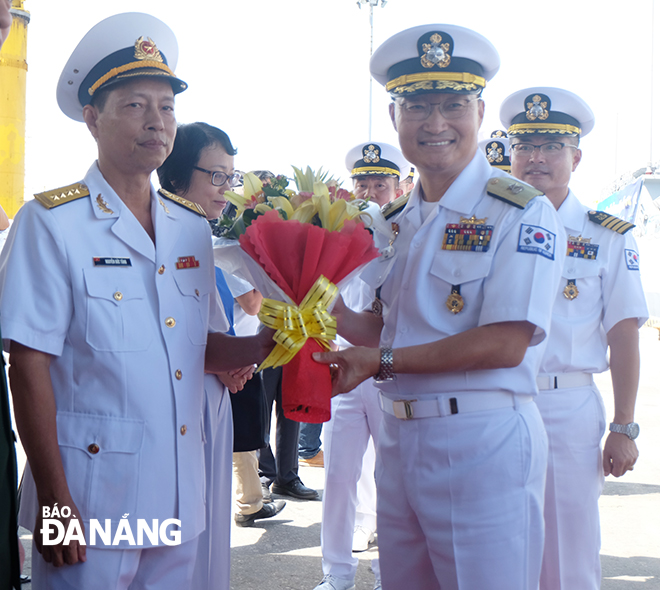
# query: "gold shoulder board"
[[610, 221], [512, 191], [396, 206], [59, 196], [183, 202]]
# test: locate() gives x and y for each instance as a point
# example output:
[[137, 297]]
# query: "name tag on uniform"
[[534, 239], [581, 248], [111, 261], [469, 235], [632, 260], [187, 262]]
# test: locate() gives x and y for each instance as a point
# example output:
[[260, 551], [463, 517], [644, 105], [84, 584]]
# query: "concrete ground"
[[283, 553]]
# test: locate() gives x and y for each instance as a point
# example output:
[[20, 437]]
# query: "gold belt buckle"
[[407, 408]]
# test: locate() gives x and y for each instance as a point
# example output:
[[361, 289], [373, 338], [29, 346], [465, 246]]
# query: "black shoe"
[[296, 489], [265, 493], [267, 511]]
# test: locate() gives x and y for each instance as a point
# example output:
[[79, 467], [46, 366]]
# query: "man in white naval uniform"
[[467, 285], [107, 295], [375, 168], [599, 304]]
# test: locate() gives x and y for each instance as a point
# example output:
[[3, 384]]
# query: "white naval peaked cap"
[[435, 58], [377, 158], [127, 45], [546, 110], [496, 150]]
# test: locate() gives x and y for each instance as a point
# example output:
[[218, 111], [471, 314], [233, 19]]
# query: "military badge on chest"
[[469, 235], [578, 248]]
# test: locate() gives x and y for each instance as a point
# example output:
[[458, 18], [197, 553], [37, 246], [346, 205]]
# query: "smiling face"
[[379, 188], [135, 128], [437, 145], [549, 173], [201, 191]]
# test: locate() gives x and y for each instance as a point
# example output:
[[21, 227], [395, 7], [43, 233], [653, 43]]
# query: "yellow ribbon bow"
[[295, 324]]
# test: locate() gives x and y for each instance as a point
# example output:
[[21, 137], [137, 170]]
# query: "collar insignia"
[[371, 154], [163, 205], [436, 53], [537, 108], [103, 206], [147, 50]]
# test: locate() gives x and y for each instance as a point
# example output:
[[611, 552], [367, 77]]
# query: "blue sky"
[[289, 80]]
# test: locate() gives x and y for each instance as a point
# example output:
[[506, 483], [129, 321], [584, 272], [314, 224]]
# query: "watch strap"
[[386, 372]]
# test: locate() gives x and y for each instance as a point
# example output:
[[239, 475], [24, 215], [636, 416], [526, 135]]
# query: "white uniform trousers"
[[355, 417], [365, 513], [460, 500], [249, 495], [575, 422], [155, 568], [212, 570]]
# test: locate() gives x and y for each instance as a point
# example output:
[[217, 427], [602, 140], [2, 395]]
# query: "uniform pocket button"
[[93, 448]]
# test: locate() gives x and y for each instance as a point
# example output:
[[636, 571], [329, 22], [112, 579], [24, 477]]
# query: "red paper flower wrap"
[[295, 255]]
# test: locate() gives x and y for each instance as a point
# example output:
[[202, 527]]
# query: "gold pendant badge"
[[455, 302], [571, 290]]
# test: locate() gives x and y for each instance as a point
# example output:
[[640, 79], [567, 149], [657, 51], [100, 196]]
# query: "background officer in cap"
[[599, 305], [466, 286], [107, 295], [496, 149], [375, 168]]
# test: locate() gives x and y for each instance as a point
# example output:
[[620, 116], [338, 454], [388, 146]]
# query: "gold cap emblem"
[[436, 53], [371, 154], [537, 109], [147, 50]]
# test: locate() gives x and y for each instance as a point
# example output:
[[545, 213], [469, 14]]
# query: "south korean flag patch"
[[632, 260], [534, 239]]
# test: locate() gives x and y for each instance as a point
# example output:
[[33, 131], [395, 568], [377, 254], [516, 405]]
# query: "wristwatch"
[[386, 365], [630, 430]]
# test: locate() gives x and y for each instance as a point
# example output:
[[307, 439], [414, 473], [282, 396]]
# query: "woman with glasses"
[[200, 169]]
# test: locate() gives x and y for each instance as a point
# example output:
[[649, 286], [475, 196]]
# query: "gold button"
[[93, 448], [178, 374], [197, 292], [161, 270], [170, 322], [184, 429], [118, 296]]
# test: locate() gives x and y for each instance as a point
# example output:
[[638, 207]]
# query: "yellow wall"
[[13, 70]]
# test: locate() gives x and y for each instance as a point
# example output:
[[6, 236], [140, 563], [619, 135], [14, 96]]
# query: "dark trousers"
[[281, 468]]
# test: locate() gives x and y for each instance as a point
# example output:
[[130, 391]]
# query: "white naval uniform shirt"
[[609, 290], [500, 285], [126, 378]]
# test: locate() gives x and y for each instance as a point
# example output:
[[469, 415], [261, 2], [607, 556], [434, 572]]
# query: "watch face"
[[633, 430]]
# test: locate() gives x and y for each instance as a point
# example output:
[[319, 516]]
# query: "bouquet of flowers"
[[296, 248]]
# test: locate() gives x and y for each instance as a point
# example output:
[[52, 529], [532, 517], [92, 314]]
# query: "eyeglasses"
[[551, 148], [219, 178], [417, 110]]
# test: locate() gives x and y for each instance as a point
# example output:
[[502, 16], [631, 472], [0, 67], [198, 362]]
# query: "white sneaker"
[[362, 536], [334, 583]]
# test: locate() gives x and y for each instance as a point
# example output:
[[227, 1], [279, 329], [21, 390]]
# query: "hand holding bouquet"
[[296, 247]]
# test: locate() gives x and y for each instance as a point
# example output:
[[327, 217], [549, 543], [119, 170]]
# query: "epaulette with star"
[[511, 191], [183, 202], [610, 221], [396, 206], [65, 194]]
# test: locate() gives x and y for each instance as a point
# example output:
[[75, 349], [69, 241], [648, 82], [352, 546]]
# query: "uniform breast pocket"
[[118, 314], [101, 456], [463, 272], [584, 297], [195, 295]]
